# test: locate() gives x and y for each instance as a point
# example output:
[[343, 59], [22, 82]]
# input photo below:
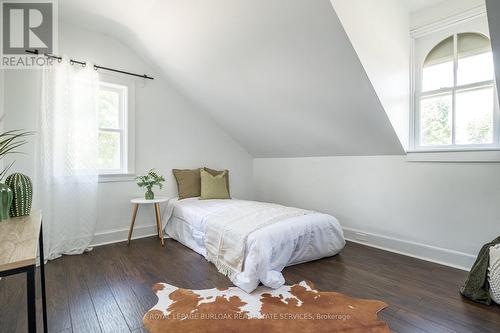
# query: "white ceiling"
[[281, 76], [416, 5]]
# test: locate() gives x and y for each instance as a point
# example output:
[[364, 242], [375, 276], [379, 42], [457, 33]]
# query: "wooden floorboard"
[[81, 306], [121, 285], [12, 291], [109, 289], [58, 313], [106, 307]]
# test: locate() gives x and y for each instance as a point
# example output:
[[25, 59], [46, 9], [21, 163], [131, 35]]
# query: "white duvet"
[[268, 250]]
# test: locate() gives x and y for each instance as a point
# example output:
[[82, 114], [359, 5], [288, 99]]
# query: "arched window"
[[457, 97]]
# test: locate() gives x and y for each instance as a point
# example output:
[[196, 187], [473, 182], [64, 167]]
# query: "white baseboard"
[[456, 259], [120, 235]]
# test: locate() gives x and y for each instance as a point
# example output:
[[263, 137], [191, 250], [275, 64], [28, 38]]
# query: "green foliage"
[[109, 105], [109, 141], [152, 178], [436, 125], [9, 142], [480, 131], [437, 129], [109, 150]]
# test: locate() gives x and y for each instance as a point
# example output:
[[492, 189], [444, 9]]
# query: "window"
[[455, 97], [115, 134]]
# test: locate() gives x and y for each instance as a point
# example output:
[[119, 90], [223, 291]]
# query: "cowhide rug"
[[297, 308]]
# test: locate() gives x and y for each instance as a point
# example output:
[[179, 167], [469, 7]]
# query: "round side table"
[[141, 201]]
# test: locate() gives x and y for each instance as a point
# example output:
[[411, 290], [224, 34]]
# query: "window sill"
[[112, 178], [457, 156]]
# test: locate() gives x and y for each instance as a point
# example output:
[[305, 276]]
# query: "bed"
[[293, 237]]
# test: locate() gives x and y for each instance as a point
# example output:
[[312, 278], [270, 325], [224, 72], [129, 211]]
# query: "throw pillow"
[[213, 187], [188, 183], [494, 273], [218, 172]]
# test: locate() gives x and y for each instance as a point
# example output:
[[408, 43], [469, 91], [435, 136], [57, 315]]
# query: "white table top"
[[144, 201]]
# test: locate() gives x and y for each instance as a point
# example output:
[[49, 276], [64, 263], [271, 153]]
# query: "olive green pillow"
[[214, 187], [217, 172], [188, 183]]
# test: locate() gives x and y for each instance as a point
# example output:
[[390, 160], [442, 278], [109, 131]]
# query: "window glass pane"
[[438, 76], [435, 120], [474, 116], [438, 66], [109, 109], [109, 150], [475, 59], [476, 68]]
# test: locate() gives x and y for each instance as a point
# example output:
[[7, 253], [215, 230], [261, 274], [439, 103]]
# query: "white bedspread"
[[268, 250]]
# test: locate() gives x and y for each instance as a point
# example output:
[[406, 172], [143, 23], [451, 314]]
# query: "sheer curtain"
[[66, 172]]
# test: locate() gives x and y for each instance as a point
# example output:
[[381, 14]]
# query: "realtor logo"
[[27, 25]]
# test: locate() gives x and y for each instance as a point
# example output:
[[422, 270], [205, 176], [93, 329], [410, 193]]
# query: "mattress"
[[268, 250]]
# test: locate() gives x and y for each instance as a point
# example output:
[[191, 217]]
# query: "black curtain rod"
[[96, 67]]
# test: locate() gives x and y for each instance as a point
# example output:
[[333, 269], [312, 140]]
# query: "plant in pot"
[[9, 142], [152, 178]]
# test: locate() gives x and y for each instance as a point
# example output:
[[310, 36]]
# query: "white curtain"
[[67, 167]]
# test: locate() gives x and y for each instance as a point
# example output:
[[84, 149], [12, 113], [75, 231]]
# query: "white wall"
[[379, 32], [170, 133], [439, 211]]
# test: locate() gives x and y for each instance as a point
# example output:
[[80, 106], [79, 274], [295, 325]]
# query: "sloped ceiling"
[[416, 5], [385, 54], [279, 76], [493, 8]]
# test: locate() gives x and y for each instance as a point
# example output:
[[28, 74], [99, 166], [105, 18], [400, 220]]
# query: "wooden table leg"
[[158, 223], [134, 214], [42, 279], [30, 288]]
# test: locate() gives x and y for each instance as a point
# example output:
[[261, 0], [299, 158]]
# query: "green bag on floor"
[[477, 287]]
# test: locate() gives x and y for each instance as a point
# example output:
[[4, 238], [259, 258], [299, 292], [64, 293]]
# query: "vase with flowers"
[[147, 181]]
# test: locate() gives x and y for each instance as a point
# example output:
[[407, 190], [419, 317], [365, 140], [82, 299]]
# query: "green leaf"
[[10, 141]]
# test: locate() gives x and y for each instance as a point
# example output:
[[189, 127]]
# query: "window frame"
[[127, 128], [470, 22]]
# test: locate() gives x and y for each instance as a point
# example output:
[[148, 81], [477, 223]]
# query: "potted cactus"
[[9, 142], [152, 178]]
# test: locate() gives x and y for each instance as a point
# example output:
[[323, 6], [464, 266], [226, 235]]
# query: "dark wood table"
[[20, 238]]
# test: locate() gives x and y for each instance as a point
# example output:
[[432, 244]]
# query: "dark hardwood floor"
[[109, 289]]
